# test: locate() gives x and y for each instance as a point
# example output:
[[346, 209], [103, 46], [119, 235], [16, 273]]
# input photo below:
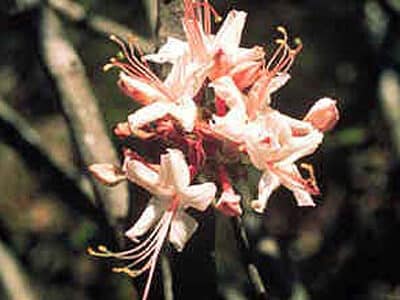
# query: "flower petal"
[[244, 55], [230, 33], [148, 114], [178, 168], [198, 196], [299, 147], [107, 173], [278, 81], [140, 90], [290, 177], [144, 176], [303, 198], [165, 178], [231, 126], [244, 74], [298, 127], [226, 89], [185, 113], [267, 184], [170, 52], [229, 204], [149, 217], [182, 228]]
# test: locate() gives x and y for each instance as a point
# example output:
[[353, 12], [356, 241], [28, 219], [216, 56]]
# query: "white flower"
[[220, 51], [164, 216], [274, 149], [173, 96], [233, 124], [172, 194]]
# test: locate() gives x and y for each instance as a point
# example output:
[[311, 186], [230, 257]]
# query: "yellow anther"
[[129, 272], [120, 55], [102, 248], [90, 251], [280, 41], [107, 67], [113, 37], [218, 19], [281, 29], [298, 41]]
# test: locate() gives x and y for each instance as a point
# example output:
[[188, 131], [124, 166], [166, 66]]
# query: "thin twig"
[[389, 92], [80, 107], [247, 258], [96, 23], [13, 277], [16, 132]]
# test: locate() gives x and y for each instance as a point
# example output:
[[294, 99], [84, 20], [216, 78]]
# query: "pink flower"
[[173, 97], [221, 52], [274, 150], [164, 216]]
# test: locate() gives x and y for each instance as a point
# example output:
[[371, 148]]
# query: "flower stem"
[[248, 259]]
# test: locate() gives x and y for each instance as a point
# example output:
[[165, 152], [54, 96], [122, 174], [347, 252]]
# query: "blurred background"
[[53, 91]]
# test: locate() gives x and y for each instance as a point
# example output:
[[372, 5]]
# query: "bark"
[[81, 109]]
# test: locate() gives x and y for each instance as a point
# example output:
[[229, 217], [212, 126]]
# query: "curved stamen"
[[163, 235], [137, 68], [284, 56], [147, 256]]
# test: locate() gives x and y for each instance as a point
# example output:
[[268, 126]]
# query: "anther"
[[107, 67], [102, 248], [298, 41], [120, 55]]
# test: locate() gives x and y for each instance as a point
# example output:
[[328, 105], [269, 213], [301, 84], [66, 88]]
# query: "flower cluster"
[[211, 110]]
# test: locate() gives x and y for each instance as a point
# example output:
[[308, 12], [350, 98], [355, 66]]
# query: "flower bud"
[[323, 115], [229, 204], [122, 130], [107, 174]]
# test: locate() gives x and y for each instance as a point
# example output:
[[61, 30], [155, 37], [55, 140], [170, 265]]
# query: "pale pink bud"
[[323, 115], [107, 174], [122, 130], [229, 204]]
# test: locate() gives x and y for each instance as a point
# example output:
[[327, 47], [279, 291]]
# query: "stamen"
[[193, 8], [284, 56], [137, 68], [107, 67], [146, 257]]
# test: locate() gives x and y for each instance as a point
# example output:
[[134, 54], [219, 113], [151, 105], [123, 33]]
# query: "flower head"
[[211, 130], [164, 216]]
